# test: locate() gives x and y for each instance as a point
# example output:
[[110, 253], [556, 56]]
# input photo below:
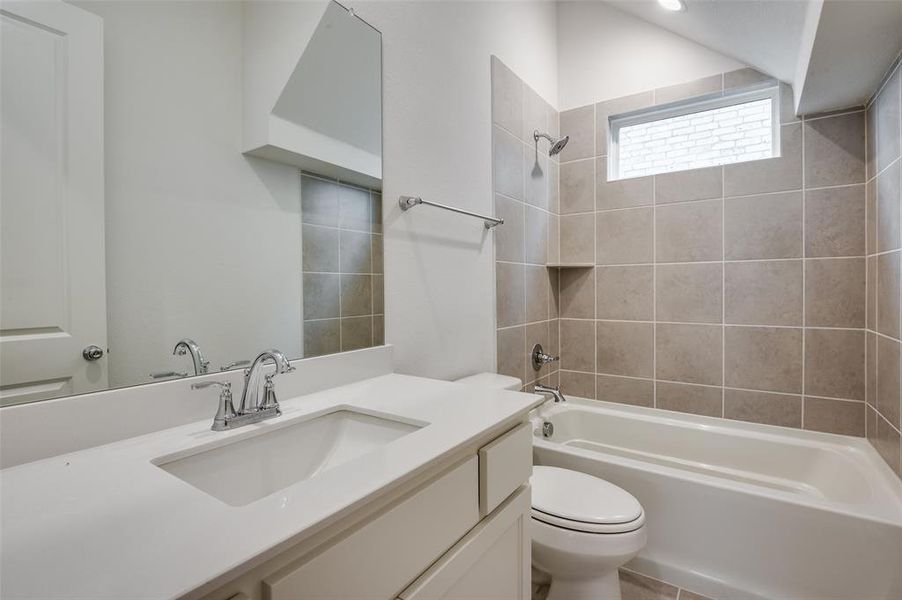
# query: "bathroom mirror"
[[192, 170]]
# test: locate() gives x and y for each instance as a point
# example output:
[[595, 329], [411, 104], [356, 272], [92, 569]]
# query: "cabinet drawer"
[[504, 465], [381, 557], [491, 562]]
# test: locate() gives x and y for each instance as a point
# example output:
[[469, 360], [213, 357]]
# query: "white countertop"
[[107, 523]]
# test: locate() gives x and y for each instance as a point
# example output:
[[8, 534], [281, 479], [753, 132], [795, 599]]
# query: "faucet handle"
[[232, 365], [224, 385], [539, 358], [226, 410], [168, 374], [269, 395]]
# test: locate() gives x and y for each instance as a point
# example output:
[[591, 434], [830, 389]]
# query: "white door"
[[52, 280]]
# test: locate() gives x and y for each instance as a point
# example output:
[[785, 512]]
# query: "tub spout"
[[554, 391]]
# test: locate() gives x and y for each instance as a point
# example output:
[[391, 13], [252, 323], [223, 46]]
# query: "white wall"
[[201, 241], [174, 173], [440, 308], [605, 53], [311, 89], [439, 286]]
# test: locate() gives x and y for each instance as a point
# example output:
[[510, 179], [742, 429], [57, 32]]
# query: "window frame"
[[690, 106]]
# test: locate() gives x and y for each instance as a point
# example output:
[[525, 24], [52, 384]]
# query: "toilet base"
[[605, 587]]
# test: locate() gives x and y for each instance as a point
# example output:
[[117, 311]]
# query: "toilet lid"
[[582, 502]]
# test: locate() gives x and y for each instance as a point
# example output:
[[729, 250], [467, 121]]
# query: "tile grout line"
[[300, 182], [494, 288], [702, 262], [716, 386], [523, 178], [876, 261], [718, 324], [723, 295], [369, 215], [867, 279], [654, 291], [893, 427], [898, 424], [595, 250], [869, 394], [805, 270]]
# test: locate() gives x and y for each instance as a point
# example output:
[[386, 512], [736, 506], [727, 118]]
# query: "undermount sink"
[[252, 468]]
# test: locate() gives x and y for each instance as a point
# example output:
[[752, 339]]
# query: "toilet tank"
[[493, 380]]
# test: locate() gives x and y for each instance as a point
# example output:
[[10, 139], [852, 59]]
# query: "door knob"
[[92, 352]]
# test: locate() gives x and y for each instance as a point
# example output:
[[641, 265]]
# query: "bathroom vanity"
[[389, 487]]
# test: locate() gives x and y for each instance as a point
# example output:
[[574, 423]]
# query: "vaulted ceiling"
[[833, 52]]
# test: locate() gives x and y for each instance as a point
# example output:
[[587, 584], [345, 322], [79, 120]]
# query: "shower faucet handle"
[[539, 358]]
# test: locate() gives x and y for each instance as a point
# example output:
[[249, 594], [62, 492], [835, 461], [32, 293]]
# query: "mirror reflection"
[[183, 185]]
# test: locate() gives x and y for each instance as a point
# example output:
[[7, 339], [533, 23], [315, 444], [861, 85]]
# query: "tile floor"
[[634, 586]]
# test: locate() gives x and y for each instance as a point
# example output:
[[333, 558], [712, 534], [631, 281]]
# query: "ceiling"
[[853, 48], [833, 52], [735, 28]]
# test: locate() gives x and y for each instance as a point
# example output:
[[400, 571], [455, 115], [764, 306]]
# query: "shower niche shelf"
[[570, 265]]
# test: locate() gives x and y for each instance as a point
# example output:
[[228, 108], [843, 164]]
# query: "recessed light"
[[674, 5]]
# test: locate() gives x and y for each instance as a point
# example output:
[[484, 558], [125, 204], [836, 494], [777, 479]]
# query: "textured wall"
[[526, 197], [884, 175], [342, 266], [735, 291]]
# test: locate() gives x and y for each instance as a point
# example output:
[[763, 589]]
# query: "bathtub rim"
[[877, 473]]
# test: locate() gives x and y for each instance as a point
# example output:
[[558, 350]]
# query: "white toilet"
[[583, 528]]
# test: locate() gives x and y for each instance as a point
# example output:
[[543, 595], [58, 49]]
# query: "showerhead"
[[556, 144]]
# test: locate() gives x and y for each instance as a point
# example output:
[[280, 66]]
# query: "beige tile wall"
[[526, 197], [342, 266], [766, 291], [735, 291], [882, 349]]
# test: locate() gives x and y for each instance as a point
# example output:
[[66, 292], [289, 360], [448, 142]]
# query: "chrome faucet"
[[254, 406], [250, 397], [188, 346], [554, 391]]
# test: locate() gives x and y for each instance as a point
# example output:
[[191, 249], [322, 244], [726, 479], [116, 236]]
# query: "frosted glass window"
[[716, 132]]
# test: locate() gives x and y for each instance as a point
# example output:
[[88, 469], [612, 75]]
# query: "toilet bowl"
[[583, 530]]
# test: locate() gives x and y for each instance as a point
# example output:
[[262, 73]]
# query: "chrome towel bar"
[[408, 202]]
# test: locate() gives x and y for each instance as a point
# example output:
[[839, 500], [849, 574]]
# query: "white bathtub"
[[738, 510]]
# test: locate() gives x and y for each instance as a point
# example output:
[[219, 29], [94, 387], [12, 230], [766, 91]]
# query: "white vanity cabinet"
[[394, 546], [459, 533], [492, 562]]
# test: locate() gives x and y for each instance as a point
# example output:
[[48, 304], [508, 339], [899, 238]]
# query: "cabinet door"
[[504, 465], [377, 560], [491, 563]]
